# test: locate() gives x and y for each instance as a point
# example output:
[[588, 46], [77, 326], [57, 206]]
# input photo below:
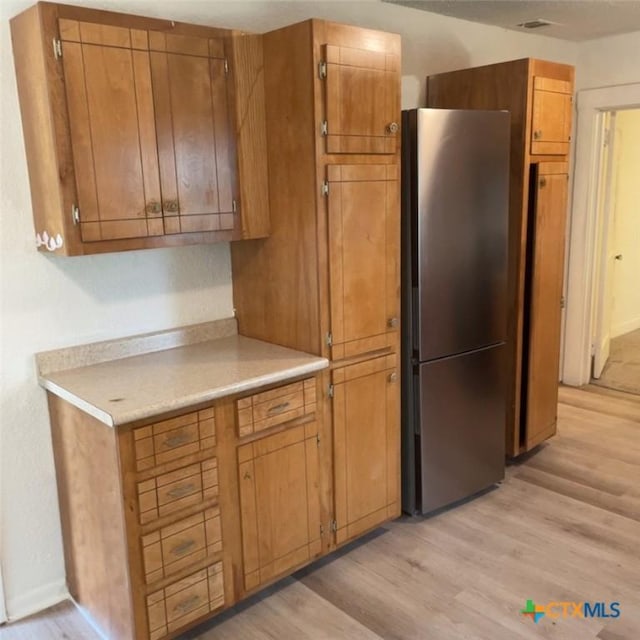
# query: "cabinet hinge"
[[322, 70], [329, 339], [562, 302], [57, 48], [226, 67], [234, 206], [333, 525], [324, 128], [321, 529], [75, 214], [318, 439], [325, 188], [330, 391]]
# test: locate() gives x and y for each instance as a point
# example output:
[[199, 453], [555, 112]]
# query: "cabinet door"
[[362, 100], [547, 265], [280, 503], [551, 117], [113, 136], [366, 433], [364, 233], [194, 133]]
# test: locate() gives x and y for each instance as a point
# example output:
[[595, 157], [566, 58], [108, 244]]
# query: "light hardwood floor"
[[564, 526]]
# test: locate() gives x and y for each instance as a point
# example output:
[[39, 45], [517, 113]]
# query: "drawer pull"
[[177, 440], [278, 408], [187, 604], [183, 547], [182, 490]]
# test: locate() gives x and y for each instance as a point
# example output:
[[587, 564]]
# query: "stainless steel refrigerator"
[[455, 176]]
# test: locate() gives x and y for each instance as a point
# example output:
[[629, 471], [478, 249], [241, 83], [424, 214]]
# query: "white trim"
[[580, 295], [37, 599], [3, 608]]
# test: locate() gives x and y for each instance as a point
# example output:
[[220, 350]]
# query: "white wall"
[[608, 61], [625, 314], [50, 302]]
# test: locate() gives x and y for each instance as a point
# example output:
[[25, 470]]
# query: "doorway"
[[592, 244], [616, 339]]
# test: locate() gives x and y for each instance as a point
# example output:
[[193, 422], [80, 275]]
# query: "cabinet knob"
[[392, 127], [537, 134], [392, 323], [542, 182], [154, 207], [171, 206], [393, 377]]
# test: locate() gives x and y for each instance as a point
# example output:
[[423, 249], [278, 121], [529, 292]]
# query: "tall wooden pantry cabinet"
[[327, 279], [539, 95]]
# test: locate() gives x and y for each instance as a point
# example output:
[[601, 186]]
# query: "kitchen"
[[96, 298]]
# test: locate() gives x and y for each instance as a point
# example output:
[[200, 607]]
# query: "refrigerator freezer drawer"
[[462, 425]]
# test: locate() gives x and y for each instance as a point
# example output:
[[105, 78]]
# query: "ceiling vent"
[[535, 24]]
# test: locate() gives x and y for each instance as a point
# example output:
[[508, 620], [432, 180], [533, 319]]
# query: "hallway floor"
[[622, 371], [563, 527]]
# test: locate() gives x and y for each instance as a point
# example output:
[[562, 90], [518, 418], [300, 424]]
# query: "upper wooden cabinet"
[[361, 99], [551, 116], [133, 128], [538, 95]]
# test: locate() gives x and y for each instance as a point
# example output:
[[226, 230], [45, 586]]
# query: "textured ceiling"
[[575, 19]]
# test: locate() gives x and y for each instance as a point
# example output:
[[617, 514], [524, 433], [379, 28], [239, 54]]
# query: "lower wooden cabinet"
[[169, 521], [279, 503], [366, 435], [541, 360]]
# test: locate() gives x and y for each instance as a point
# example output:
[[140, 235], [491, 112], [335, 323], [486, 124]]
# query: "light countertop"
[[142, 386]]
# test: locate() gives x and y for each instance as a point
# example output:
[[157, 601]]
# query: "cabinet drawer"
[[168, 440], [170, 492], [178, 545], [186, 600], [270, 408]]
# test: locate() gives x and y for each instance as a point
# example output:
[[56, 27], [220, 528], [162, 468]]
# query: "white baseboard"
[[625, 327], [36, 600]]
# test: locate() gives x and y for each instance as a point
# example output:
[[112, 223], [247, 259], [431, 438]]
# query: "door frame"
[[604, 229], [583, 249]]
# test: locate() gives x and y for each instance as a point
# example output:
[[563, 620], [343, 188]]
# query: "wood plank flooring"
[[564, 526]]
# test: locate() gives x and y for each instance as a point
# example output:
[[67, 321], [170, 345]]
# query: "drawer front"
[[270, 408], [178, 545], [186, 600], [170, 492], [171, 439]]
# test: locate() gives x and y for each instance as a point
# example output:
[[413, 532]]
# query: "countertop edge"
[[76, 401], [115, 420]]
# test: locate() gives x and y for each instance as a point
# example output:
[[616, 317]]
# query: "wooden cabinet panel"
[[182, 602], [280, 503], [361, 100], [545, 313], [181, 544], [277, 406], [113, 134], [366, 432], [551, 116], [363, 235], [194, 139]]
